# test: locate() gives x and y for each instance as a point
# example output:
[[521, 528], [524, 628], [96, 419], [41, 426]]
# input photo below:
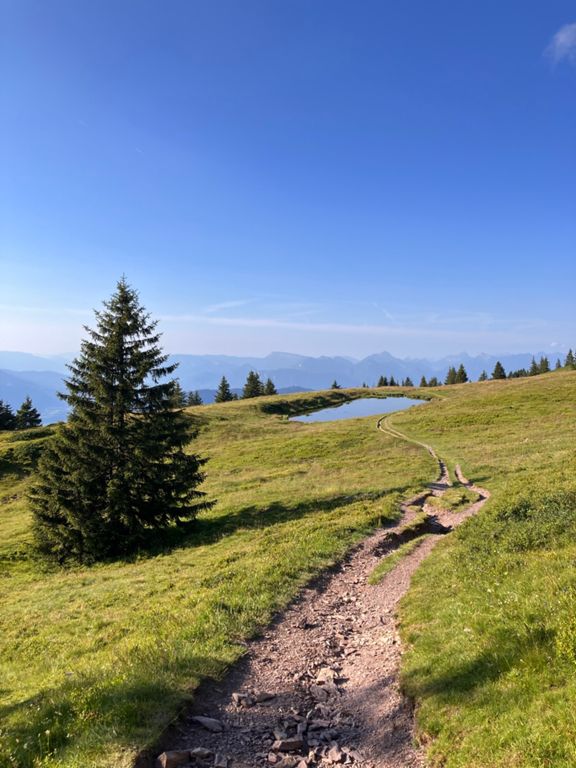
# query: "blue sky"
[[313, 176]]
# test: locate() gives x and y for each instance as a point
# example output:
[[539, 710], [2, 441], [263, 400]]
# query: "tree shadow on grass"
[[209, 530], [59, 720]]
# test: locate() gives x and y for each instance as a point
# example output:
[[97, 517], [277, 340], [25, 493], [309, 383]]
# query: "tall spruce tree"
[[335, 385], [194, 398], [269, 388], [450, 376], [118, 469], [223, 393], [27, 416], [498, 372], [544, 365], [7, 418], [570, 361], [483, 376], [382, 382], [534, 369], [423, 382], [461, 375], [433, 382], [253, 386], [178, 395]]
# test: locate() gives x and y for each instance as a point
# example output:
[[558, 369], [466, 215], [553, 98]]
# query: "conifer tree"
[[382, 382], [223, 393], [570, 361], [450, 376], [433, 382], [407, 382], [423, 382], [269, 388], [118, 469], [335, 385], [461, 375], [483, 376], [393, 382], [544, 365], [7, 418], [178, 395], [27, 416], [194, 398], [558, 364], [498, 372], [253, 386], [534, 368]]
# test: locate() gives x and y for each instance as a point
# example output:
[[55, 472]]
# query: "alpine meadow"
[[287, 384]]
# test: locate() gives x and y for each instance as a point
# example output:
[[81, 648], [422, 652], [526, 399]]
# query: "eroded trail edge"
[[320, 686]]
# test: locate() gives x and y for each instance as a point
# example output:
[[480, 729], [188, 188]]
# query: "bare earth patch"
[[320, 687]]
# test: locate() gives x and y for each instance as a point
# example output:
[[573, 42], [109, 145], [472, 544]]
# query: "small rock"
[[321, 712], [325, 675], [273, 758], [173, 758], [335, 754], [220, 761], [288, 761], [243, 699], [262, 696], [288, 745], [201, 753], [318, 692], [210, 723], [279, 734], [315, 725]]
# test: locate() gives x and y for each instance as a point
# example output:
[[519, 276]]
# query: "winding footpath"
[[320, 686]]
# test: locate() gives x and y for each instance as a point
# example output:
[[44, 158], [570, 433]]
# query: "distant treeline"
[[460, 376], [255, 387], [25, 417]]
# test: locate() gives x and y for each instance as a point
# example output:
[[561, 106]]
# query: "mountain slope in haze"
[[24, 374]]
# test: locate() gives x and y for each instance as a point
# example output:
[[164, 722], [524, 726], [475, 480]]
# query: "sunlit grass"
[[94, 662], [489, 620]]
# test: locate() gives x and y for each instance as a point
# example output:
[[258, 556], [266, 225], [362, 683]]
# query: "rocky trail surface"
[[320, 686]]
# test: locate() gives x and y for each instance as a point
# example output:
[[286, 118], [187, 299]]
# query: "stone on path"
[[173, 758], [210, 723], [288, 745], [201, 753]]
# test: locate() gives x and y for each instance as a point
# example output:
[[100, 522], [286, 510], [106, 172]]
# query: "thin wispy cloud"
[[563, 45], [355, 329], [223, 305]]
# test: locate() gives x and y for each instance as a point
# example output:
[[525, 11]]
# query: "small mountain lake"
[[365, 406]]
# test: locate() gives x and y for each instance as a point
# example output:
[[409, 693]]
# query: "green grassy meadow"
[[490, 619], [94, 662]]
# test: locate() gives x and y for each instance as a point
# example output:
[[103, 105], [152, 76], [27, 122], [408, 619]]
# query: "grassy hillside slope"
[[95, 661], [491, 617]]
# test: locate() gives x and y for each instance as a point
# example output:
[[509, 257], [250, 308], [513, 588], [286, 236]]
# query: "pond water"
[[366, 406]]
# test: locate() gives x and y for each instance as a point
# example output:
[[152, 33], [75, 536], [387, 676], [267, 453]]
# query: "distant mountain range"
[[24, 374]]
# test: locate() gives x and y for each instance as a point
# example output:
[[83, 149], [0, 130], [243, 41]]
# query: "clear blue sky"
[[314, 176]]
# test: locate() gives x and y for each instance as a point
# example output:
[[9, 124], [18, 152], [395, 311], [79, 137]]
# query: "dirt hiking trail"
[[320, 686]]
